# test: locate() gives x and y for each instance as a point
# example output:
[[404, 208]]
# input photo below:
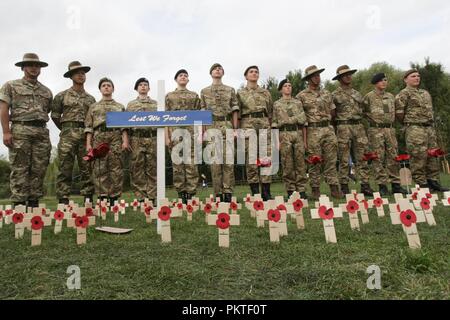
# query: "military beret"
[[378, 77], [102, 80], [409, 72], [215, 65], [249, 68], [282, 83], [180, 72], [138, 82]]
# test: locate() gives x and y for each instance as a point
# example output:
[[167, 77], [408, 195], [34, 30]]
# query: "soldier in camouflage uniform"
[[351, 134], [256, 108], [379, 110], [26, 103], [108, 172], [319, 108], [414, 109], [69, 110], [289, 117], [185, 175], [143, 146], [222, 101]]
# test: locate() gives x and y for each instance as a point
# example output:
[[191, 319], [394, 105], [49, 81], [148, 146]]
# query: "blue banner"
[[158, 119]]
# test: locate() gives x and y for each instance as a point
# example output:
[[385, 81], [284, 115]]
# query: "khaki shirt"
[[288, 111], [140, 105], [27, 101], [255, 100], [317, 104], [70, 105], [97, 113], [379, 108], [182, 99], [348, 104], [415, 104], [220, 99]]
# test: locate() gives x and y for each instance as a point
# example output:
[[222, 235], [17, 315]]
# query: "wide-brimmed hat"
[[75, 66], [343, 70], [311, 70], [30, 58]]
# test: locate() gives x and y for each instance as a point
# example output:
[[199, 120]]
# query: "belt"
[[143, 134], [32, 123], [321, 124], [419, 124], [72, 124], [261, 114], [224, 118], [381, 125], [348, 122], [103, 128], [291, 127]]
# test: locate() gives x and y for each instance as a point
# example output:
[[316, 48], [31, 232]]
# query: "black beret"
[[179, 72], [102, 80], [282, 83], [138, 82], [248, 69], [378, 77]]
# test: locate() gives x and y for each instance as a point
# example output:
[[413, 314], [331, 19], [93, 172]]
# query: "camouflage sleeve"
[[275, 116], [6, 94], [365, 105], [168, 103], [332, 105], [89, 122], [234, 101], [198, 103], [401, 100], [203, 105], [270, 105], [57, 106], [301, 118]]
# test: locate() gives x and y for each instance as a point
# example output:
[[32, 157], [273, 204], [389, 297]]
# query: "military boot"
[[254, 187], [63, 201], [266, 191], [345, 189], [303, 195], [435, 186], [289, 194], [335, 192], [397, 188], [227, 197], [366, 190], [33, 204], [384, 192], [112, 201], [315, 193]]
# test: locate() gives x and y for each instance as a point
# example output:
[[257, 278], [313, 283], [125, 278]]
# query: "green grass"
[[302, 266]]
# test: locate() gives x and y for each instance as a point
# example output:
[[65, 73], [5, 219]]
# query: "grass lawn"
[[302, 266]]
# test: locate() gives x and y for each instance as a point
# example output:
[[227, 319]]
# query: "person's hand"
[[88, 147], [126, 146], [7, 139]]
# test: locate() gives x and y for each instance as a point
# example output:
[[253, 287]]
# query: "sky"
[[126, 40]]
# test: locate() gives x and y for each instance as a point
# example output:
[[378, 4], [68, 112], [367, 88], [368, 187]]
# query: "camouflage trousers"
[[255, 174], [108, 172], [292, 150], [185, 174], [29, 158], [352, 137], [143, 167], [71, 148], [418, 141], [383, 142], [323, 142]]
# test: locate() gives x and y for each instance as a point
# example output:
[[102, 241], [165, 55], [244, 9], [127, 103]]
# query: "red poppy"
[[135, 203], [17, 218], [223, 221], [82, 222], [402, 157], [164, 213], [314, 160], [414, 195], [282, 207], [194, 202], [104, 209], [43, 211], [89, 212], [1, 214], [258, 205], [425, 204], [264, 163], [233, 206], [436, 153], [274, 215], [207, 208], [189, 208], [8, 212], [448, 200], [74, 215], [37, 223], [123, 204], [429, 195], [298, 205], [325, 213], [99, 152], [179, 205], [248, 199], [370, 156], [352, 206], [366, 204], [148, 210], [408, 217], [116, 209], [59, 215], [398, 208], [378, 202]]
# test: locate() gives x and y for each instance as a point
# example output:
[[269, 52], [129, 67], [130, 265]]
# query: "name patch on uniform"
[[158, 119]]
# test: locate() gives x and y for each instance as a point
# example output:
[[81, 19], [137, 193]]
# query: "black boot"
[[435, 186], [397, 188], [366, 190], [63, 201], [254, 187], [227, 197], [90, 197], [303, 195], [112, 201], [344, 188], [289, 194], [384, 192], [189, 196], [33, 204], [265, 189]]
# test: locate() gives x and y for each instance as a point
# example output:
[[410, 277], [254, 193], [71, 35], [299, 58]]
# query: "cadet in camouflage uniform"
[[351, 134], [143, 146], [108, 172], [414, 109], [319, 108], [222, 101], [256, 108], [185, 175], [289, 117], [379, 110], [69, 110], [26, 103]]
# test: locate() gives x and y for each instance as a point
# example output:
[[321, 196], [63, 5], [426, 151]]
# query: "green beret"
[[409, 72], [215, 65]]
